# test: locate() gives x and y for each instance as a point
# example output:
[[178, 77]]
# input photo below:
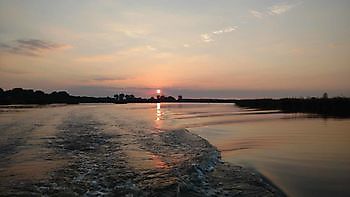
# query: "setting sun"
[[158, 91]]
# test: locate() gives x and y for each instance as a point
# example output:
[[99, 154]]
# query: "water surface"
[[304, 156]]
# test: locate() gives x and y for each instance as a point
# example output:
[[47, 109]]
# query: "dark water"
[[303, 156]]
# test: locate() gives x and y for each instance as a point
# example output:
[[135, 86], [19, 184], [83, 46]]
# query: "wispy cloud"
[[209, 37], [133, 33], [274, 10], [280, 9], [256, 14], [225, 30], [31, 47]]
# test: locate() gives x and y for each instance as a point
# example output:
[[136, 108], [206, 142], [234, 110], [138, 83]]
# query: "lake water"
[[303, 155]]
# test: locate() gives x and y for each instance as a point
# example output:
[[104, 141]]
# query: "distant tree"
[[1, 95], [158, 97], [17, 90], [130, 97], [121, 97], [28, 96], [179, 98], [63, 94], [325, 95], [170, 99], [116, 96], [39, 92], [38, 97]]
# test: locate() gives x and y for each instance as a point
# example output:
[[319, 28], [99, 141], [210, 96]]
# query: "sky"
[[196, 48]]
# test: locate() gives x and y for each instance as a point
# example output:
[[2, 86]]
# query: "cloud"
[[186, 45], [130, 30], [274, 10], [133, 33], [31, 47], [206, 37], [230, 29], [209, 37], [218, 32], [257, 14], [280, 9], [225, 30]]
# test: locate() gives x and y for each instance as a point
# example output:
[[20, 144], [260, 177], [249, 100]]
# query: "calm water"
[[303, 156]]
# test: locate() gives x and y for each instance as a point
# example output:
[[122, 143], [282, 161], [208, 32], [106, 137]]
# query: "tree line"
[[130, 98], [29, 96], [337, 107]]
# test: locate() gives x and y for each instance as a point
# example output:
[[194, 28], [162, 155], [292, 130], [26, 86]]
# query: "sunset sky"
[[197, 48]]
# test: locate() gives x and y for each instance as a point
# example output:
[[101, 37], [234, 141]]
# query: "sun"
[[158, 91]]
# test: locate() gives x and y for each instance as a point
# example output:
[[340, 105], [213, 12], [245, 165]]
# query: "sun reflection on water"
[[159, 113], [158, 122], [158, 162]]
